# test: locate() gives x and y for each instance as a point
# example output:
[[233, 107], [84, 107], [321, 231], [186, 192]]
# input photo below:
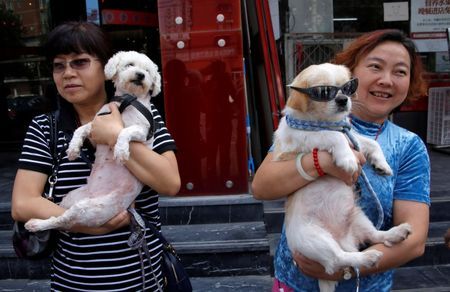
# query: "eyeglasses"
[[325, 93], [76, 64]]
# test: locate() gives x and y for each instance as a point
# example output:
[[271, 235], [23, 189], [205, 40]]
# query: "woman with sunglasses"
[[87, 259], [389, 72]]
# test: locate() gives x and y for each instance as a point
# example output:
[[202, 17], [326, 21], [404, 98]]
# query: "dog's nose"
[[341, 100], [140, 76]]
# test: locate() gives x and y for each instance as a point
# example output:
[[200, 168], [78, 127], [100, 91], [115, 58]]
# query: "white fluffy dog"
[[322, 220], [111, 188]]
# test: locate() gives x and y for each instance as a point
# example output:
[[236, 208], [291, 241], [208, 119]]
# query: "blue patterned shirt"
[[408, 157]]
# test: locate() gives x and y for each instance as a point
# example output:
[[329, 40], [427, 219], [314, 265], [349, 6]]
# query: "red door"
[[203, 77]]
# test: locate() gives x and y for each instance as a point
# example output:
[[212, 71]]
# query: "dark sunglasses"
[[76, 64], [327, 92]]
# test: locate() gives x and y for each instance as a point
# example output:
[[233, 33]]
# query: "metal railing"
[[302, 50]]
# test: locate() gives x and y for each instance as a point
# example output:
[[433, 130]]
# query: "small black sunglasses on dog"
[[327, 92]]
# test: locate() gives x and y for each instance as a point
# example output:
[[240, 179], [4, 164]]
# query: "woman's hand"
[[313, 269], [106, 128], [120, 220]]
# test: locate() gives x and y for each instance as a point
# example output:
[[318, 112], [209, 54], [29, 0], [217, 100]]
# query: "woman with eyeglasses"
[[87, 259], [389, 72]]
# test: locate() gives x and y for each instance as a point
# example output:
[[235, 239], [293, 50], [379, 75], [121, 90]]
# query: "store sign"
[[128, 17], [429, 21], [396, 11]]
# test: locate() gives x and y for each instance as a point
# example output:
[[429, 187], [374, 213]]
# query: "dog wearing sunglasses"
[[322, 219], [111, 187]]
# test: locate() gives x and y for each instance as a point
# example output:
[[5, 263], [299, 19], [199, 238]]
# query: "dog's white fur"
[[111, 187], [322, 220]]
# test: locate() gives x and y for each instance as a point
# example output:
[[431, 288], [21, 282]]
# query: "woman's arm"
[[278, 179], [417, 215], [414, 213], [27, 201], [160, 172]]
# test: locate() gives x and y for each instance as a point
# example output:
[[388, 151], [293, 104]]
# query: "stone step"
[[410, 279], [422, 279], [188, 210], [210, 209], [436, 253], [224, 249]]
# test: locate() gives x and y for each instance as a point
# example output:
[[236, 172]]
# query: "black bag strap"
[[56, 156], [137, 241]]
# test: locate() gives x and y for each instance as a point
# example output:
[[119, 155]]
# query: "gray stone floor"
[[222, 284]]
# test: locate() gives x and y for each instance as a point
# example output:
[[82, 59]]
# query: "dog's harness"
[[345, 127], [127, 100]]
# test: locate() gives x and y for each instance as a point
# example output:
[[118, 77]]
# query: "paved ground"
[[222, 284]]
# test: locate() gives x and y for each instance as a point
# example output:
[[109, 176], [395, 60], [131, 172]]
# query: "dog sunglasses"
[[324, 93]]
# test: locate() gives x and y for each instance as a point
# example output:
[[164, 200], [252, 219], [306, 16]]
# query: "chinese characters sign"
[[429, 21], [430, 15]]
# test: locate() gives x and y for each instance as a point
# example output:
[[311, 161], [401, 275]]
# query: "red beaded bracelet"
[[316, 162]]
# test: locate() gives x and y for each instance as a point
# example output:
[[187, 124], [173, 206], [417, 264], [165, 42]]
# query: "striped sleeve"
[[163, 140], [36, 154]]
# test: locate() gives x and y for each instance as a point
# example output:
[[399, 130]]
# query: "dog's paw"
[[383, 170], [347, 163], [285, 156], [381, 166], [121, 154], [34, 225], [72, 153], [397, 234], [371, 257]]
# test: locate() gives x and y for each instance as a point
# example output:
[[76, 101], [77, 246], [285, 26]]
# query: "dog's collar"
[[127, 100], [316, 125], [341, 126]]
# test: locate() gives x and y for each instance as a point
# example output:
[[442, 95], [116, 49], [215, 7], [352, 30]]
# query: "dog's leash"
[[127, 100], [345, 127]]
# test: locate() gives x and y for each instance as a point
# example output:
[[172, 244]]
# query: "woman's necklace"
[[379, 131]]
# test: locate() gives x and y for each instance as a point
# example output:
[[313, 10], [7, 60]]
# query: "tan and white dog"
[[322, 220], [111, 187]]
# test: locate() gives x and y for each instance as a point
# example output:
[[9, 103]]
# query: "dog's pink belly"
[[327, 202], [110, 176]]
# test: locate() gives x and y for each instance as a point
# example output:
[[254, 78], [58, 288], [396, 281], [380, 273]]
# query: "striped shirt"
[[84, 262]]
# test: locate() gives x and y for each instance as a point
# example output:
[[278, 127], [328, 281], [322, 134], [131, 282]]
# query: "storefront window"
[[24, 76]]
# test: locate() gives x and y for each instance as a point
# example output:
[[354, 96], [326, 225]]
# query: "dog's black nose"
[[341, 100], [140, 76]]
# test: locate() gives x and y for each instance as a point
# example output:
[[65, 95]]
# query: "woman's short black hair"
[[77, 37]]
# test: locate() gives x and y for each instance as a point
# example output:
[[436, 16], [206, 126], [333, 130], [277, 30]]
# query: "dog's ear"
[[298, 101], [156, 86], [112, 66]]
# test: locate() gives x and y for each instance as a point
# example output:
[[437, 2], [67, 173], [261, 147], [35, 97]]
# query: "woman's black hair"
[[77, 37]]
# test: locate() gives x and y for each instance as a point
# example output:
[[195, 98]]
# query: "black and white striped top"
[[84, 262]]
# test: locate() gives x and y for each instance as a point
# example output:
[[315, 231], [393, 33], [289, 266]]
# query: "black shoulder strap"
[[127, 100], [53, 178], [52, 117]]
